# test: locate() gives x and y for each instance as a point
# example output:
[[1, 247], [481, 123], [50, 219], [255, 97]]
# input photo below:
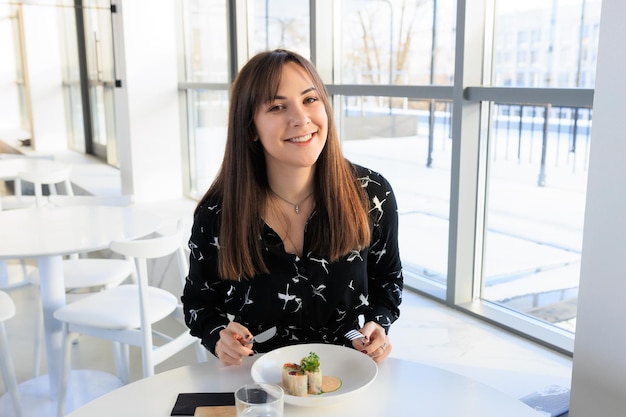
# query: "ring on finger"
[[384, 346]]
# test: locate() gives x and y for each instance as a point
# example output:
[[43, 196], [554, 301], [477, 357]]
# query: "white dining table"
[[48, 234], [402, 388]]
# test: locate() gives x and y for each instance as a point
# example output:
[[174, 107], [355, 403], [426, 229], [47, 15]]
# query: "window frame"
[[472, 98]]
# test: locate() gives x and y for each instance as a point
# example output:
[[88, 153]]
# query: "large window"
[[205, 70], [396, 42], [14, 83], [537, 160], [279, 24], [481, 122]]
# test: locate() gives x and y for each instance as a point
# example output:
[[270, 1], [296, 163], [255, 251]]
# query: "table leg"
[[51, 285]]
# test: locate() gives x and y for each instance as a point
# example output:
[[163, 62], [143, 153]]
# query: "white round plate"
[[355, 369]]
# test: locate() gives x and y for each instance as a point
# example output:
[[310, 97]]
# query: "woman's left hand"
[[376, 344]]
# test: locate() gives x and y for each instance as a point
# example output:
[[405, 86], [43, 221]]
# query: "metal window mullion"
[[237, 36], [418, 92], [463, 265], [565, 97], [84, 76]]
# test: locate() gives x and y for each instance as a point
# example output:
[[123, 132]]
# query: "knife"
[[264, 336]]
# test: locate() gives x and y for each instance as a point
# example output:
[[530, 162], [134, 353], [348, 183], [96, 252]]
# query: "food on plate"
[[330, 383], [306, 378], [311, 366], [295, 380]]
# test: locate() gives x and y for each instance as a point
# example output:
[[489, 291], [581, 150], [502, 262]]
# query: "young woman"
[[291, 234]]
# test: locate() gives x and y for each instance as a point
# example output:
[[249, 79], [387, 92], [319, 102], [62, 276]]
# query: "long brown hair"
[[242, 181]]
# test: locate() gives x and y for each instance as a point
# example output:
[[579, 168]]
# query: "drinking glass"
[[259, 400]]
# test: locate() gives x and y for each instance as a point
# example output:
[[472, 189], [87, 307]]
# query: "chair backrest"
[[141, 250], [155, 247], [50, 177]]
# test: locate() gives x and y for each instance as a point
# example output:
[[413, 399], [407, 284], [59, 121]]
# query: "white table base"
[[84, 386]]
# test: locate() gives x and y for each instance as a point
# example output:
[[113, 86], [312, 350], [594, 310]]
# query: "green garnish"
[[311, 363]]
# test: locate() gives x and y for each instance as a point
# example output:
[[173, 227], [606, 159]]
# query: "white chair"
[[81, 274], [18, 200], [125, 314], [50, 177], [7, 311]]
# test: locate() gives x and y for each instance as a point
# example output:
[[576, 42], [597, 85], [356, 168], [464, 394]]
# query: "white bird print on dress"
[[365, 181], [395, 289], [353, 255], [364, 301], [247, 299], [195, 252], [229, 294], [216, 242], [298, 301], [380, 253], [206, 286], [322, 261], [286, 297], [318, 291], [298, 275], [193, 314], [378, 205]]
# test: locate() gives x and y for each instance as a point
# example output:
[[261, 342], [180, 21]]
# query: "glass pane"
[[279, 24], [208, 119], [397, 42], [546, 43], [71, 81], [100, 70], [13, 100], [535, 210], [400, 139], [206, 41]]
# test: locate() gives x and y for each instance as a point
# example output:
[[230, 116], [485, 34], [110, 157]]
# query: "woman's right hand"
[[233, 344]]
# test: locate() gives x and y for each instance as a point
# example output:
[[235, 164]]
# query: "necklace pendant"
[[297, 208]]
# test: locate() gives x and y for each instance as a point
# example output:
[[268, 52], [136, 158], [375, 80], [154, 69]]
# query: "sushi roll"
[[295, 380], [314, 380], [311, 366]]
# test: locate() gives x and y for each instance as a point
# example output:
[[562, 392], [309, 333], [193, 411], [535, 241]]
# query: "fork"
[[355, 334]]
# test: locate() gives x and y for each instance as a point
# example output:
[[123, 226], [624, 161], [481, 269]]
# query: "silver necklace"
[[296, 206]]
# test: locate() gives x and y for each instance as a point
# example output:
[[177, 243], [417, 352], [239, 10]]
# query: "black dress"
[[309, 299]]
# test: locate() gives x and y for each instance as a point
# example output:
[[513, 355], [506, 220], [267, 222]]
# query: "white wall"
[[599, 367], [150, 147]]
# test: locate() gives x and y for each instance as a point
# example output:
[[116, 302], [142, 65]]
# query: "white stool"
[[7, 310]]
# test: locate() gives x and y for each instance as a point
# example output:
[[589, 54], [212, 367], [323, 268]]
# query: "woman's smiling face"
[[293, 126]]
